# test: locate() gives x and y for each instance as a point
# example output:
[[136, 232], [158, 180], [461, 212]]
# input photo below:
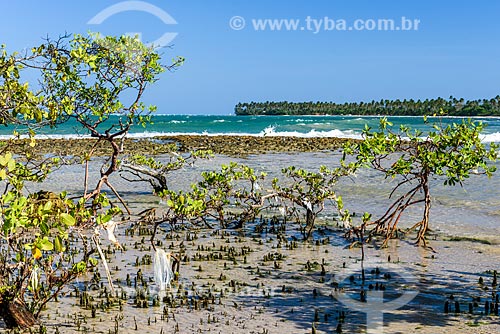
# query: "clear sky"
[[455, 51]]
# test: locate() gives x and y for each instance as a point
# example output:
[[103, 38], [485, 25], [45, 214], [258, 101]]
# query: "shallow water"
[[295, 126], [280, 297]]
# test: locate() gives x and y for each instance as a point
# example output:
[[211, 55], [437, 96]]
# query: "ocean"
[[299, 126]]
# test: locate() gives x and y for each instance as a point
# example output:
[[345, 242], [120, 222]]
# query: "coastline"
[[357, 115]]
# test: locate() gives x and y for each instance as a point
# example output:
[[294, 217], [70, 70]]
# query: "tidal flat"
[[262, 278]]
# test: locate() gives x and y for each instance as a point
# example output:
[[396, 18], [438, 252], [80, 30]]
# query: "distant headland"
[[451, 107]]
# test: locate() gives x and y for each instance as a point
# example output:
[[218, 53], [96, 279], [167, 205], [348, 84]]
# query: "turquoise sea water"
[[303, 126]]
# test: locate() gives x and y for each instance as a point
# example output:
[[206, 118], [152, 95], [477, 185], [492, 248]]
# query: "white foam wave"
[[303, 120], [491, 137], [44, 136], [269, 131]]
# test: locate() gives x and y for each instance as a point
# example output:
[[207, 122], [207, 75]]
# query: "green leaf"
[[47, 206], [67, 219], [11, 165], [8, 197], [58, 246], [105, 219], [4, 160], [46, 245], [79, 267]]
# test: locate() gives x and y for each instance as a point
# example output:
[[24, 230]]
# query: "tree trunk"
[[13, 311], [15, 314], [310, 218], [427, 208]]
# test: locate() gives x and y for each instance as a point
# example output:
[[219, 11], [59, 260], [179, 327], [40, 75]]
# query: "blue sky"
[[455, 51]]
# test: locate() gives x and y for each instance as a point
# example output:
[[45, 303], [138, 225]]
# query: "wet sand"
[[283, 299]]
